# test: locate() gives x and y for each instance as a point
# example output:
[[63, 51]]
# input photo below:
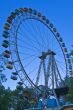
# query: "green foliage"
[[19, 102], [5, 97], [14, 99], [69, 97], [19, 99]]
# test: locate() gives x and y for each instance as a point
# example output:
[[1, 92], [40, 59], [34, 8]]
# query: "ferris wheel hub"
[[45, 54]]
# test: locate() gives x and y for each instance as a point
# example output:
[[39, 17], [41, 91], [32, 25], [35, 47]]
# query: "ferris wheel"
[[35, 50]]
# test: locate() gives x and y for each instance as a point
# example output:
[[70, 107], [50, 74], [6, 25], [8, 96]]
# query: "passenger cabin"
[[9, 65], [7, 54], [20, 83], [5, 43], [14, 73], [13, 77]]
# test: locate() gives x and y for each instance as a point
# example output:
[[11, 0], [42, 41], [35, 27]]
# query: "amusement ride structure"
[[35, 52]]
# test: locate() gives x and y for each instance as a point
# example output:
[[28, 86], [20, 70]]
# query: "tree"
[[69, 96], [18, 100], [5, 97]]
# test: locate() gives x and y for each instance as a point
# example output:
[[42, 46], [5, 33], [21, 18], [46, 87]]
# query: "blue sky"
[[59, 12]]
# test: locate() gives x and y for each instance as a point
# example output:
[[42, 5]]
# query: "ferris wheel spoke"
[[30, 52], [31, 72], [61, 73], [34, 79], [46, 38], [42, 34], [13, 27], [29, 63], [27, 37], [27, 54], [58, 51], [27, 34], [51, 40], [34, 34], [29, 48], [12, 33], [23, 59], [43, 44], [38, 30], [29, 57], [60, 62], [31, 45], [61, 69], [31, 42]]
